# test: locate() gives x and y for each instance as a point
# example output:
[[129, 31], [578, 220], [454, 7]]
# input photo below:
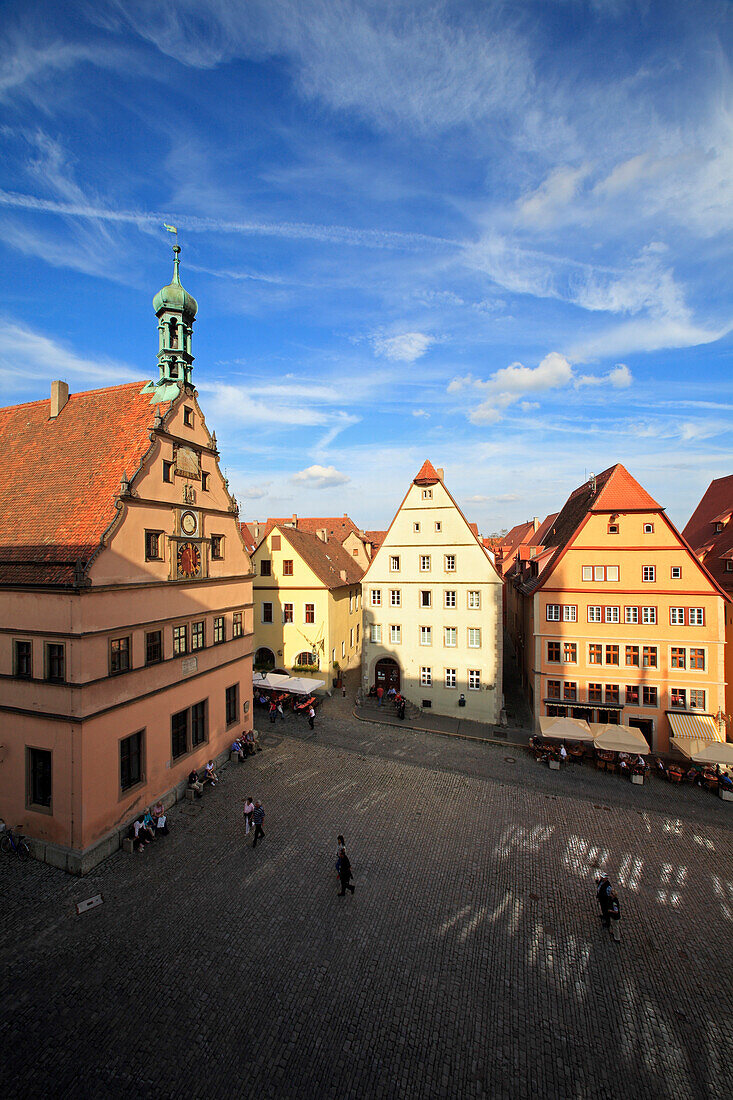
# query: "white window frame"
[[375, 597], [450, 637], [698, 692], [376, 632], [474, 599], [395, 597], [648, 574], [450, 563], [426, 592], [612, 573], [438, 526], [395, 634], [474, 679], [570, 613], [474, 637], [425, 563], [416, 528], [426, 635], [649, 616], [343, 650], [587, 573], [595, 613], [450, 592], [648, 528], [450, 678], [675, 572], [427, 494], [292, 613], [426, 676], [611, 614], [599, 573], [676, 616], [552, 607], [696, 616], [631, 615], [394, 558]]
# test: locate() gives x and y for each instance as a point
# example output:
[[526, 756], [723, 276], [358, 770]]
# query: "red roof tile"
[[61, 478], [339, 527], [618, 491], [376, 538], [326, 559], [427, 475], [700, 531], [249, 539]]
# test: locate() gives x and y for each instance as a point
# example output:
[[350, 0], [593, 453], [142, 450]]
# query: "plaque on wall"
[[189, 664], [188, 462]]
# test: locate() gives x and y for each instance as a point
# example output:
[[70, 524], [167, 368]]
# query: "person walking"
[[280, 710], [609, 905], [401, 708], [345, 875], [311, 716], [258, 816], [273, 710], [380, 693], [249, 807]]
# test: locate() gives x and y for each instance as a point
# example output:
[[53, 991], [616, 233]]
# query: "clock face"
[[189, 523], [189, 559]]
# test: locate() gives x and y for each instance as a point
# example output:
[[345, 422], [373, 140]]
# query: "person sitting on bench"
[[210, 775], [238, 747], [195, 784], [159, 819]]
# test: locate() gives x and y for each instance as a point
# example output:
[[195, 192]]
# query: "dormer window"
[[719, 527], [613, 528], [648, 528]]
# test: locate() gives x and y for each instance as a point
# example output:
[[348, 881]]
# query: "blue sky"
[[493, 234]]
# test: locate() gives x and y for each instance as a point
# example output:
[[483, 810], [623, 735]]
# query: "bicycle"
[[12, 842]]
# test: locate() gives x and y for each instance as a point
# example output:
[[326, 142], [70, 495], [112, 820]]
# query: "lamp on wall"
[[723, 720]]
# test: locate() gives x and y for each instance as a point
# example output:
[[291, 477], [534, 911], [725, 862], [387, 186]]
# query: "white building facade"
[[433, 609]]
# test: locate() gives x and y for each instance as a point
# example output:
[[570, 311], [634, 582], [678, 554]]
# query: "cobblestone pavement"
[[469, 963]]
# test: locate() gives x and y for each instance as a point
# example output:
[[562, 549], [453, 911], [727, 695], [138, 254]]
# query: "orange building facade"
[[125, 604], [616, 620]]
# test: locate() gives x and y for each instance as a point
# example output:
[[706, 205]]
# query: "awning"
[[700, 751], [275, 681], [702, 726], [565, 729], [619, 739]]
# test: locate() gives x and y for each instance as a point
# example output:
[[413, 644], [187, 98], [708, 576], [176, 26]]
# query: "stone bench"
[[726, 795], [127, 844]]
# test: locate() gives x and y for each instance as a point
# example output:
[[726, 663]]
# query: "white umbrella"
[[565, 729], [621, 739]]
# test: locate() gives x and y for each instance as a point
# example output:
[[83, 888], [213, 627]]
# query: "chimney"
[[342, 574], [536, 523], [439, 472], [295, 520], [59, 397], [322, 534]]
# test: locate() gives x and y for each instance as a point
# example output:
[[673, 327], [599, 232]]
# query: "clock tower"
[[176, 311]]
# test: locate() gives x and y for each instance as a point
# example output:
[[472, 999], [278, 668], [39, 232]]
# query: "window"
[[553, 651], [474, 679], [180, 640], [450, 563], [553, 612], [570, 690], [595, 693], [570, 652], [449, 598], [275, 542], [595, 613], [426, 635], [219, 629], [351, 603], [427, 494], [611, 572], [649, 615], [677, 616], [306, 659], [119, 655], [728, 565], [474, 599], [39, 772], [237, 624], [376, 632], [131, 760], [649, 656], [697, 658], [198, 723], [23, 660], [426, 677], [678, 697], [153, 545], [439, 528], [450, 636], [153, 647], [287, 613], [424, 563], [553, 689], [288, 567], [649, 696], [217, 547], [718, 528], [570, 613], [394, 563], [204, 481], [343, 651], [611, 654], [395, 597], [676, 572], [416, 528], [612, 614], [697, 699], [678, 657], [697, 616], [632, 655], [595, 654], [310, 613], [648, 573], [357, 633], [231, 702], [351, 638], [395, 634], [265, 567], [631, 614], [375, 597], [198, 635], [612, 693], [632, 694], [474, 637], [613, 528], [167, 471], [55, 663], [426, 598], [648, 528], [450, 677], [600, 573], [587, 573], [187, 414], [267, 612], [179, 733]]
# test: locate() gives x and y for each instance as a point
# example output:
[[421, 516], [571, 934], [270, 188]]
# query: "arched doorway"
[[387, 673], [264, 659]]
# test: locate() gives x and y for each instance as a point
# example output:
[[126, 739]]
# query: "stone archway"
[[264, 659], [387, 674]]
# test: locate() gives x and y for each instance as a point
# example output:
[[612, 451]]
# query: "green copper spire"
[[174, 296], [176, 311]]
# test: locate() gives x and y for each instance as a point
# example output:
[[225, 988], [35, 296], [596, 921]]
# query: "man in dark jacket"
[[258, 816], [603, 896], [345, 874]]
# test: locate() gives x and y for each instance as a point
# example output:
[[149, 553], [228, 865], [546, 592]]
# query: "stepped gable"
[[427, 475], [327, 559], [62, 478], [711, 546]]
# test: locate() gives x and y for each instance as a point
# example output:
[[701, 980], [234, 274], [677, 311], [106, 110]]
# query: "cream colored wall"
[[474, 570], [346, 626], [355, 548], [630, 550]]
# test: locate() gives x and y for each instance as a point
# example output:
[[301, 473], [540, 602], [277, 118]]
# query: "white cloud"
[[553, 195], [27, 355], [406, 347], [255, 492], [420, 412], [620, 377], [645, 335], [320, 477], [553, 371]]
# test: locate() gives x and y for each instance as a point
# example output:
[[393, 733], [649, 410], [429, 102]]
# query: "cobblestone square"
[[469, 963]]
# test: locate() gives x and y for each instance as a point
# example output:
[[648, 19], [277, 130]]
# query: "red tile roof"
[[376, 538], [618, 491], [61, 478], [339, 527], [427, 475], [326, 559], [700, 531], [249, 540]]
